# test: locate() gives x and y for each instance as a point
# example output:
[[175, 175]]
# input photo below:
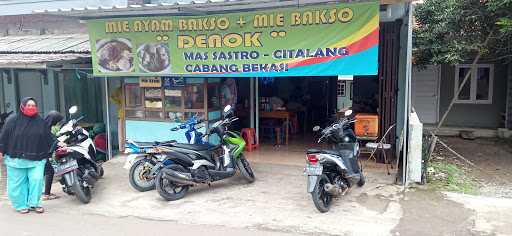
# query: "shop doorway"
[[298, 104]]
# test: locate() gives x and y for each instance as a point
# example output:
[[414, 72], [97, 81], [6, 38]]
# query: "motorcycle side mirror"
[[348, 112], [227, 108], [227, 111], [316, 128], [72, 110]]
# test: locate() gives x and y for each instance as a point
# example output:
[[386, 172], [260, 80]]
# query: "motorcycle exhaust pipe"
[[335, 190], [178, 177], [332, 189]]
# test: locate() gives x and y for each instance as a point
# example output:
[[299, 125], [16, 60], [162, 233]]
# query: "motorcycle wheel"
[[168, 189], [245, 169], [139, 176], [321, 198], [82, 193], [101, 171]]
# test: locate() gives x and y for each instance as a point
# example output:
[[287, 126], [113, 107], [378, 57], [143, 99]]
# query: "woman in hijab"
[[52, 119], [25, 142]]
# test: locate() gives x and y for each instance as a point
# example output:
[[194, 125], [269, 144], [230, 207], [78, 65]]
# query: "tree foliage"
[[454, 31]]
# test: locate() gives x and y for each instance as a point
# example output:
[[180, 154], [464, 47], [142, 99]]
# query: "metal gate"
[[389, 49]]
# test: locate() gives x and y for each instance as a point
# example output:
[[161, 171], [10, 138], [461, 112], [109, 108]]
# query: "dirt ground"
[[493, 160]]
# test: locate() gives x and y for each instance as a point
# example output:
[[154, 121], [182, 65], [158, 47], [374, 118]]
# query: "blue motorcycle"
[[193, 135], [148, 160]]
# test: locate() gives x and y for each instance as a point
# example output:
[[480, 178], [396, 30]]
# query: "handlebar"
[[188, 123], [79, 119], [341, 124]]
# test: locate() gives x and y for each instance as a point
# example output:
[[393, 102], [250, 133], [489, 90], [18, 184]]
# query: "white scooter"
[[76, 162]]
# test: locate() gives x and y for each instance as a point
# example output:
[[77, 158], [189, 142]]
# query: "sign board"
[[324, 40], [172, 82], [150, 82]]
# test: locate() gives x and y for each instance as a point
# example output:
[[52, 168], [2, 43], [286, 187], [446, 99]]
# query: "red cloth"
[[100, 141]]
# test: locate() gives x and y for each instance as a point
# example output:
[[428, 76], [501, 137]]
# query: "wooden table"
[[285, 115]]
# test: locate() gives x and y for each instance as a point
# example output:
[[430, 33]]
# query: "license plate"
[[66, 167], [313, 170]]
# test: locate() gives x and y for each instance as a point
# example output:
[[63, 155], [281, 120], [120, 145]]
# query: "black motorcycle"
[[333, 172], [201, 163]]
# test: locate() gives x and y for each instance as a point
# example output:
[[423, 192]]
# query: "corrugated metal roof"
[[15, 60], [75, 43], [193, 7]]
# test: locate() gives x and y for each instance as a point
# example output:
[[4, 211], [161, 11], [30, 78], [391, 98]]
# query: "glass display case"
[[196, 96]]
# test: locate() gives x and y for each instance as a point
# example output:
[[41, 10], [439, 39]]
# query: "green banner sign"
[[326, 40]]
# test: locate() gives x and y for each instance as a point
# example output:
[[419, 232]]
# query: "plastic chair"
[[249, 135]]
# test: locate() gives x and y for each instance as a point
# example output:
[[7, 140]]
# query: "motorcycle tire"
[[101, 171], [321, 198], [167, 189], [245, 169], [362, 180], [82, 193], [140, 184]]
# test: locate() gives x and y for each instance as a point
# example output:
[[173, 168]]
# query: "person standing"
[[52, 119], [25, 142], [229, 93]]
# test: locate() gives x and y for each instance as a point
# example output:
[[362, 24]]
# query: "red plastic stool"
[[249, 135]]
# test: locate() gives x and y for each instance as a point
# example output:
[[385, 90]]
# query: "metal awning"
[[37, 51], [206, 7], [37, 60], [33, 44]]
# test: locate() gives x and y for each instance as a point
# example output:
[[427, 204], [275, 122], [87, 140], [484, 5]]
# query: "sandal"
[[38, 210], [49, 197], [23, 211]]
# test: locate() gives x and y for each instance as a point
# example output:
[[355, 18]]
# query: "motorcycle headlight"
[[346, 139]]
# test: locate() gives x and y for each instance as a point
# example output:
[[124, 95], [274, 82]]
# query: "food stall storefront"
[[253, 39], [172, 67]]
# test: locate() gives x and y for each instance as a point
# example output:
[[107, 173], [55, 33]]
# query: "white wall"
[[414, 155], [344, 102], [425, 93]]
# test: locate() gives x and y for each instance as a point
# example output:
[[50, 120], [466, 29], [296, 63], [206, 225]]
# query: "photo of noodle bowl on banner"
[[114, 55], [154, 58]]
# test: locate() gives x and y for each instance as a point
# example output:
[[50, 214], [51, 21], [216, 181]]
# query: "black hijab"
[[52, 118], [26, 137]]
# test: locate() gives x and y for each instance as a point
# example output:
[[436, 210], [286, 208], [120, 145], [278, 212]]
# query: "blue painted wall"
[[149, 131]]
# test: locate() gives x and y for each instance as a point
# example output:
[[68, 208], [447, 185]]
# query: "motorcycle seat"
[[143, 144], [330, 152], [194, 147], [166, 143], [340, 153], [311, 151], [152, 144]]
